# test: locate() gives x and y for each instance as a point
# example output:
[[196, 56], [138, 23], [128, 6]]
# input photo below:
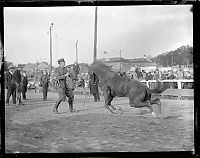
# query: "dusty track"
[[34, 128]]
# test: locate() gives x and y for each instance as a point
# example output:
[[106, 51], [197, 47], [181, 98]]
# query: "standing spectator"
[[149, 76], [133, 75], [156, 75], [163, 75], [10, 85], [139, 73], [94, 82], [24, 84], [170, 75], [144, 74], [44, 83], [179, 74], [76, 70]]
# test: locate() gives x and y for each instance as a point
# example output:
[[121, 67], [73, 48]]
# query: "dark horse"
[[17, 81], [114, 85]]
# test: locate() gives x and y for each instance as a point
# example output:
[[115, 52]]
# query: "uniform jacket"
[[60, 76]]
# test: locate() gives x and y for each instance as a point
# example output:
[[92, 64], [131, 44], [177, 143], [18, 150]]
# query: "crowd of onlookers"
[[139, 74]]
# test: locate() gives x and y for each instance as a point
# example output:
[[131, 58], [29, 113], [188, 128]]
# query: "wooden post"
[[51, 49], [95, 36]]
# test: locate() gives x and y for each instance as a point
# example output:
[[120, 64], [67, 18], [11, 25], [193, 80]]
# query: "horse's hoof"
[[111, 111]]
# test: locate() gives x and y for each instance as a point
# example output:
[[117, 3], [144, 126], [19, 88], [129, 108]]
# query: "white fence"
[[179, 82]]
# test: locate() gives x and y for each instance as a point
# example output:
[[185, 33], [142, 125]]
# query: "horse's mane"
[[99, 65]]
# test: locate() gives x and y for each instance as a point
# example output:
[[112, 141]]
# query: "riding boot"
[[71, 106]]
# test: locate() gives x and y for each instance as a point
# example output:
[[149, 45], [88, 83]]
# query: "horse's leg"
[[108, 99], [140, 104], [157, 101]]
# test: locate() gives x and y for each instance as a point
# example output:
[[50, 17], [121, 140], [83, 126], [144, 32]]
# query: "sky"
[[135, 30]]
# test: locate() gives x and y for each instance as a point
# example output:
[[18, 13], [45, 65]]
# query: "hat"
[[60, 60], [20, 66], [11, 67]]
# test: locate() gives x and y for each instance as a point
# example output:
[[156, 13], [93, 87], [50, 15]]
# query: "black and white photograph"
[[98, 79]]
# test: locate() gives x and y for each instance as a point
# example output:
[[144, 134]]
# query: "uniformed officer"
[[10, 86], [63, 90], [44, 82], [94, 82]]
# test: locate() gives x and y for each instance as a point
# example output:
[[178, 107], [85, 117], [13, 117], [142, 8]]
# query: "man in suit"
[[10, 85], [44, 82], [94, 82], [61, 72], [24, 84]]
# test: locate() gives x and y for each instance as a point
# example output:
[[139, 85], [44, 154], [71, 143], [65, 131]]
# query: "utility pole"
[[172, 60], [95, 36], [51, 26], [76, 51], [120, 66]]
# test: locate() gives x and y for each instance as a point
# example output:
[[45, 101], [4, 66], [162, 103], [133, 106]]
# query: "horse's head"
[[98, 68]]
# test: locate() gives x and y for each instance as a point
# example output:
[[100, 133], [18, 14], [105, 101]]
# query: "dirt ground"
[[33, 128]]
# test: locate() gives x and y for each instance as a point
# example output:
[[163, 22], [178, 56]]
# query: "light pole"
[[51, 26], [76, 51]]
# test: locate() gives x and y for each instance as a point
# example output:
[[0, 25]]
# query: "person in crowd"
[[179, 74], [44, 83], [24, 84], [94, 85], [124, 74], [144, 74], [149, 76], [76, 70], [133, 75], [170, 75], [156, 75], [139, 73], [10, 86], [163, 75], [61, 72]]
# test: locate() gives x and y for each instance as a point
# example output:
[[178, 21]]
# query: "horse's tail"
[[161, 87]]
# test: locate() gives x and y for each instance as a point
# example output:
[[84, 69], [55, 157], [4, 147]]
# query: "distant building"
[[127, 64]]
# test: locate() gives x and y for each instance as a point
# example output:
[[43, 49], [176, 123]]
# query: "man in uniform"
[[24, 84], [10, 86], [94, 81], [44, 82], [63, 90]]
